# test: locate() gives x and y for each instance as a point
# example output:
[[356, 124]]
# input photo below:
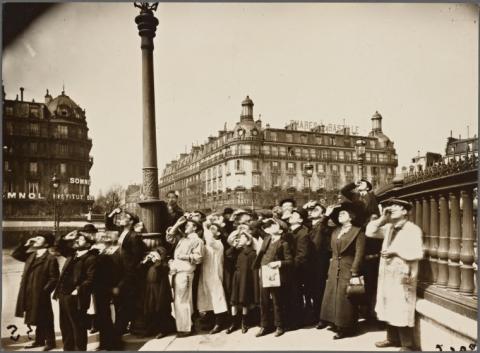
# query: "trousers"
[[45, 333], [266, 305], [183, 301], [73, 324], [401, 335]]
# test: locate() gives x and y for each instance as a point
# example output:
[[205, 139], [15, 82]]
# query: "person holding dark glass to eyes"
[[348, 245]]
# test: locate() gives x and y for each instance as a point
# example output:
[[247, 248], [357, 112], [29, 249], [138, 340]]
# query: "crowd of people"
[[282, 269]]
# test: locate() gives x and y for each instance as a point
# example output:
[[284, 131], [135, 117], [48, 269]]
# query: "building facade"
[[458, 149], [255, 166], [40, 140]]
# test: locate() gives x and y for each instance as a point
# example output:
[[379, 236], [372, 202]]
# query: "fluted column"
[[442, 252], [433, 248], [454, 245], [467, 254], [426, 239]]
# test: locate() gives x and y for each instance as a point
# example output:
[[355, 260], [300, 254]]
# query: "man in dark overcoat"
[[321, 253], [131, 252], [301, 248], [74, 291], [40, 276]]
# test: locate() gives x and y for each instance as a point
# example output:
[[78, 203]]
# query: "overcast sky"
[[417, 64]]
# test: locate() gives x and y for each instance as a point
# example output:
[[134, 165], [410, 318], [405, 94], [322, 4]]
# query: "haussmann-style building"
[[255, 165], [40, 140]]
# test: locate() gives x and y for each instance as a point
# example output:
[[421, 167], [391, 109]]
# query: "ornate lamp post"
[[151, 206], [308, 169], [55, 185], [360, 151]]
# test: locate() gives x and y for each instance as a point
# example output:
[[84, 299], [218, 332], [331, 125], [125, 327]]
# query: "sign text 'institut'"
[[254, 165]]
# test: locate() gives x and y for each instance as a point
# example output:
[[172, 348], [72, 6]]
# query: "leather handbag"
[[356, 287]]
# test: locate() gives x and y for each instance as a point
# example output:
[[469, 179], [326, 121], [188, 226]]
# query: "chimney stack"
[[21, 93]]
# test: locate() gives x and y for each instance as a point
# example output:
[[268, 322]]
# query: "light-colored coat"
[[397, 278], [211, 295]]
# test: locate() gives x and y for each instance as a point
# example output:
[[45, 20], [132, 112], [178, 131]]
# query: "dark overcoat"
[[301, 250], [82, 271], [347, 256], [243, 280], [34, 299], [321, 251], [283, 253]]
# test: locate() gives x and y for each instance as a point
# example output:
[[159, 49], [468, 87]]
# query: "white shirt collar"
[[40, 252], [81, 252]]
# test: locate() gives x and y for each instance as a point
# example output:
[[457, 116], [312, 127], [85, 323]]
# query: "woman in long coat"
[[348, 245]]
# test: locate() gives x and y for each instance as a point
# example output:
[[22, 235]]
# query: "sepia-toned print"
[[239, 176]]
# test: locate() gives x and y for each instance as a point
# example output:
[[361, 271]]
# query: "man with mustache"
[[74, 290]]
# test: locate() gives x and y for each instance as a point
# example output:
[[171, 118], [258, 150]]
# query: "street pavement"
[[303, 339]]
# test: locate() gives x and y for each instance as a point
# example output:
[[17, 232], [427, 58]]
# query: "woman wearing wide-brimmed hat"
[[348, 243]]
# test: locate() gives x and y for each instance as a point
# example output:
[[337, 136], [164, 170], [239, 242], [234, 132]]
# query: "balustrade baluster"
[[418, 213], [412, 213], [426, 239], [466, 253], [454, 246], [442, 252], [433, 238]]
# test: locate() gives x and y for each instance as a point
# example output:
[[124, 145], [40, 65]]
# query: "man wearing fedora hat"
[[40, 276], [401, 252]]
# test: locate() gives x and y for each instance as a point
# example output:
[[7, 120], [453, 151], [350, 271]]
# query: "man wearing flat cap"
[[40, 276], [401, 252]]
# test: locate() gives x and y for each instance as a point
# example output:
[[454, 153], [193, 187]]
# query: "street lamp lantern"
[[55, 182], [360, 151], [308, 169], [55, 185]]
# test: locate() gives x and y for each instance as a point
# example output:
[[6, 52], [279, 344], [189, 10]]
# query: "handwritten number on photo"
[[14, 329], [28, 332]]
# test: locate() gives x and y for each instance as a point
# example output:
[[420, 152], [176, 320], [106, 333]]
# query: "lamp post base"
[[153, 214]]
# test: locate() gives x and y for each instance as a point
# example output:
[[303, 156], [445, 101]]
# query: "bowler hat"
[[292, 201], [301, 212], [227, 210], [355, 211], [369, 184], [89, 228], [49, 237], [394, 201]]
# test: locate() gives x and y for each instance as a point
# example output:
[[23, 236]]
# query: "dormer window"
[[240, 132], [63, 112], [254, 132]]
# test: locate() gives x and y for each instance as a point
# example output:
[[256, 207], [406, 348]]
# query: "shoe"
[[321, 325], [279, 331], [99, 348], [215, 329], [234, 325], [49, 347], [183, 334], [244, 325], [261, 332], [385, 343], [34, 345], [160, 335], [340, 335]]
